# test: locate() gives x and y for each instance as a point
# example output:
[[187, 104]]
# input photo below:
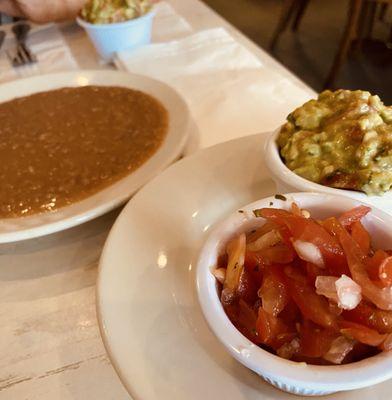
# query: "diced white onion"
[[344, 291], [349, 293], [340, 347], [325, 286], [309, 252]]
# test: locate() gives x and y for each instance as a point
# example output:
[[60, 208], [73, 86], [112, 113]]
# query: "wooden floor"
[[310, 51]]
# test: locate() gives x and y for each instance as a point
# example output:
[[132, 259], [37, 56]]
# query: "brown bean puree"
[[61, 146]]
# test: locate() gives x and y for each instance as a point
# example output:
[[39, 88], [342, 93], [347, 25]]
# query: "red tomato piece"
[[244, 320], [247, 288], [273, 291], [361, 333], [373, 264], [315, 341], [361, 236], [312, 306], [381, 297], [254, 265], [353, 215], [278, 254], [272, 331], [308, 230], [367, 314], [313, 271], [385, 271]]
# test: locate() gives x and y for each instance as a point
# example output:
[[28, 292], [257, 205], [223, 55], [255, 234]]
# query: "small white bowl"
[[290, 376], [287, 181], [108, 39]]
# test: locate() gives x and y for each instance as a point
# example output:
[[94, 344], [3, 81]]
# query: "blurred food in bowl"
[[117, 25], [342, 140], [112, 11]]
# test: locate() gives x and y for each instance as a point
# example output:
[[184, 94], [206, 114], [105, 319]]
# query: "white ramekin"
[[108, 39], [293, 377], [287, 181]]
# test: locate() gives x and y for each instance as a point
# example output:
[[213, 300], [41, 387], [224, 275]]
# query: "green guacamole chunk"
[[343, 140], [111, 11]]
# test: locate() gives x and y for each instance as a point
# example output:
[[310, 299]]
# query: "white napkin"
[[229, 91], [167, 24], [47, 43]]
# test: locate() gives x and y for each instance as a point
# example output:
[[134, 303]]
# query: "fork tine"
[[14, 60]]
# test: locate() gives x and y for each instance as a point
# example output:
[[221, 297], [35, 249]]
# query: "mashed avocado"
[[110, 11], [343, 139]]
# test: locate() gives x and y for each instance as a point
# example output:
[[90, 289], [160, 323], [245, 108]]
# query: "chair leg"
[[383, 12], [371, 16], [348, 35], [300, 13], [286, 13], [361, 27]]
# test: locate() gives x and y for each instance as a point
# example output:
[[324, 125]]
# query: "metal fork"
[[23, 54], [2, 37]]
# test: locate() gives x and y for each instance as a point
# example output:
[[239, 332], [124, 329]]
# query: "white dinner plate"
[[180, 125], [149, 315]]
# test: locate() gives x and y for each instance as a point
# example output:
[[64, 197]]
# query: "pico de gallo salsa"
[[308, 290]]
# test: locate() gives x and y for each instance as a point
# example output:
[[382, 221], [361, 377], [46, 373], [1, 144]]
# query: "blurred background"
[[327, 43]]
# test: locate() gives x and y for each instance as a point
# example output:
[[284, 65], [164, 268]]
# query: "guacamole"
[[110, 11], [343, 139]]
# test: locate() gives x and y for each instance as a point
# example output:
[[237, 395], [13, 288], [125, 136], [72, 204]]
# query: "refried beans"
[[61, 146]]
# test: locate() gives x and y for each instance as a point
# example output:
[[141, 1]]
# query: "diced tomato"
[[379, 296], [361, 333], [373, 264], [307, 230], [291, 313], [385, 271], [361, 236], [313, 271], [272, 331], [244, 318], [273, 291], [315, 341], [254, 265], [286, 236], [277, 215], [312, 306], [247, 288], [353, 215], [369, 315], [279, 254]]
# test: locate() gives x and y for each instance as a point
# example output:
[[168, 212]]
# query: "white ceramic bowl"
[[111, 38], [290, 376], [287, 181]]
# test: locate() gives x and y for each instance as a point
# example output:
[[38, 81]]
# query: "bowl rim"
[[88, 25], [355, 375], [281, 172]]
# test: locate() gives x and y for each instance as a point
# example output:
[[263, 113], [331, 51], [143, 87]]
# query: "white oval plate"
[[149, 315], [15, 229]]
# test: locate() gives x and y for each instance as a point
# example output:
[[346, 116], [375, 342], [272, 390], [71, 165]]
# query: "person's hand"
[[42, 10]]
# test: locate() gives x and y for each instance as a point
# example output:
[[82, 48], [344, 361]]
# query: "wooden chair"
[[359, 24]]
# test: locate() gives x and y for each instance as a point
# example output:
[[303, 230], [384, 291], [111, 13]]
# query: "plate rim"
[[102, 207]]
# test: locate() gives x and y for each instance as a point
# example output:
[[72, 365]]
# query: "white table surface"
[[50, 344]]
